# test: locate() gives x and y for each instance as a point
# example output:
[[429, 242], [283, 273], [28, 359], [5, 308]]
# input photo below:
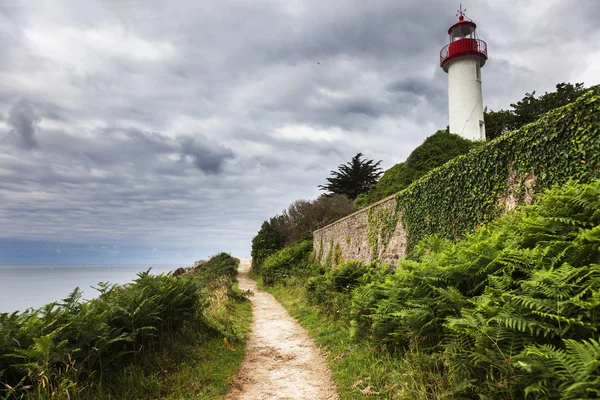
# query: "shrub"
[[509, 306], [346, 276], [292, 260]]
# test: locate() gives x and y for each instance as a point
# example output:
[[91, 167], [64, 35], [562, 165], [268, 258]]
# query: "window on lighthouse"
[[462, 32]]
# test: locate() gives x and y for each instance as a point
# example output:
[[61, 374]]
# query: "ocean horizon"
[[34, 285]]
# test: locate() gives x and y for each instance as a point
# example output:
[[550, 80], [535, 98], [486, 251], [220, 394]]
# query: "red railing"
[[463, 47]]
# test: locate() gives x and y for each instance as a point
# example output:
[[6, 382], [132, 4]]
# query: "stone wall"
[[353, 237], [377, 233]]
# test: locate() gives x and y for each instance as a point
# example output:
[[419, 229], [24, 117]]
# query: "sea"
[[25, 286]]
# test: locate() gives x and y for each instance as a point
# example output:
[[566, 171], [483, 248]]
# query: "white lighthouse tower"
[[462, 59]]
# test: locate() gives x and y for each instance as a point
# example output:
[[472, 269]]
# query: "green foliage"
[[502, 304], [510, 311], [529, 109], [576, 366], [454, 199], [74, 348], [330, 288], [297, 223], [353, 178], [292, 260], [219, 265], [436, 150], [267, 241]]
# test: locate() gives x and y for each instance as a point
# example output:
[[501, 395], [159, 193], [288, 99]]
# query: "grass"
[[205, 372], [201, 362], [359, 369]]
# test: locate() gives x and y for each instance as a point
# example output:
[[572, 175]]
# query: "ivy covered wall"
[[473, 189]]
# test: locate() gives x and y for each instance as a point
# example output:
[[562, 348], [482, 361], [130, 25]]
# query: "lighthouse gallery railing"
[[463, 47]]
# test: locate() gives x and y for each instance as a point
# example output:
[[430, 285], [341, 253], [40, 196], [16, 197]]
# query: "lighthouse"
[[462, 59]]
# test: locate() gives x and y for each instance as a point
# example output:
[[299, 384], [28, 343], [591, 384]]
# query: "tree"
[[297, 222], [353, 178], [267, 241], [530, 108], [436, 150], [498, 123], [303, 217]]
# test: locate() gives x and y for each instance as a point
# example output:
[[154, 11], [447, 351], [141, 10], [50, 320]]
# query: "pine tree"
[[353, 178]]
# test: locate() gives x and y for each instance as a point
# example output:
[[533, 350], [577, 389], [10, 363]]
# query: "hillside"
[[435, 151]]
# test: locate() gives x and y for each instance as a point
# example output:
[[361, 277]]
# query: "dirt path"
[[281, 362]]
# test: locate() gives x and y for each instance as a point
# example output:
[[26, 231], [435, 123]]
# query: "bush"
[[267, 241], [219, 265], [513, 307], [291, 261], [345, 277]]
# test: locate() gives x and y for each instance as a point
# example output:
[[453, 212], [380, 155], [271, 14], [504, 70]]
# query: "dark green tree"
[[267, 241], [354, 177], [498, 123], [530, 108]]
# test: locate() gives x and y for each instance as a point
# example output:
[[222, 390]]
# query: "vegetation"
[[511, 311], [443, 146], [473, 189], [353, 178], [302, 217], [297, 223], [142, 339], [267, 241], [284, 263], [435, 151], [530, 109]]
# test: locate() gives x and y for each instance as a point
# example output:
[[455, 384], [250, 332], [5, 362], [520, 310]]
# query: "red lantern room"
[[463, 43]]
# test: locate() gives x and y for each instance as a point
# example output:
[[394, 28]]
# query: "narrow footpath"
[[282, 361]]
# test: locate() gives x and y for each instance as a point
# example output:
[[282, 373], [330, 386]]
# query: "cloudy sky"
[[147, 131]]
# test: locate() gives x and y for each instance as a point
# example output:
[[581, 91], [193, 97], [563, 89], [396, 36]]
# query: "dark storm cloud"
[[23, 120], [361, 106], [206, 155], [281, 92], [417, 87]]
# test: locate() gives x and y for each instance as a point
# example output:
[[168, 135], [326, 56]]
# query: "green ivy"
[[381, 225], [329, 258], [338, 259], [454, 199]]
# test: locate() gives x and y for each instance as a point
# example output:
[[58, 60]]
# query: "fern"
[[572, 372]]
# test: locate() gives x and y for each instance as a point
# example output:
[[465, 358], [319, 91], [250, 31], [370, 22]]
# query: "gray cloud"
[[23, 120], [207, 156], [281, 93]]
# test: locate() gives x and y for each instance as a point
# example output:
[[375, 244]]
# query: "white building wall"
[[465, 99]]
